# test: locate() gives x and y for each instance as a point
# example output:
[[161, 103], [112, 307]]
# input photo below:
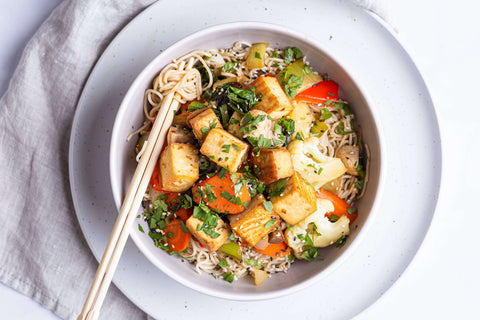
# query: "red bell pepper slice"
[[319, 92]]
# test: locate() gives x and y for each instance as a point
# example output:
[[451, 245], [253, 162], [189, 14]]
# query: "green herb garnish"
[[325, 114], [268, 206], [223, 263], [228, 66], [228, 276], [277, 188], [254, 263], [270, 223], [195, 105]]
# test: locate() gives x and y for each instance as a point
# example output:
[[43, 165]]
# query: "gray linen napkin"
[[43, 254]]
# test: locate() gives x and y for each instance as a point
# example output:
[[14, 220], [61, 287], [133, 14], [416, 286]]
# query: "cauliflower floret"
[[316, 230], [316, 168]]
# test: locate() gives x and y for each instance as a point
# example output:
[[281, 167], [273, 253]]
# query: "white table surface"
[[443, 37]]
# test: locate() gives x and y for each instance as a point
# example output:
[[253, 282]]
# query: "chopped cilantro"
[[254, 263], [299, 135], [291, 83], [206, 130], [291, 53], [195, 105], [359, 184], [307, 69], [341, 241], [274, 54], [223, 263], [361, 171], [277, 188], [312, 228], [183, 227], [232, 236], [228, 66], [209, 193], [325, 114], [228, 276], [140, 228], [242, 100], [268, 206], [340, 105], [341, 129], [234, 121], [235, 200], [351, 210], [257, 55], [226, 148], [222, 173], [209, 219], [334, 217], [270, 223], [284, 129], [310, 254]]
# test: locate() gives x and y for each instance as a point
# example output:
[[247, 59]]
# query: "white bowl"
[[123, 164]]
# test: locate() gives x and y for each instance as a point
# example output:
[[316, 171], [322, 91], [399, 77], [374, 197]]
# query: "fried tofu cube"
[[273, 164], [297, 201], [202, 122], [224, 149], [274, 100], [255, 222], [179, 167], [213, 244]]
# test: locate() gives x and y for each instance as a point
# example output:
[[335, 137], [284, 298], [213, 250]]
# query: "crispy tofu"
[[255, 222], [179, 167], [202, 122], [224, 149], [274, 100], [297, 201], [273, 164], [212, 244]]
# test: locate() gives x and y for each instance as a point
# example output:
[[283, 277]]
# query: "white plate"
[[394, 86]]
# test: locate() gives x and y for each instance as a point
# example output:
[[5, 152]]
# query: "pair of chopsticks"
[[130, 205]]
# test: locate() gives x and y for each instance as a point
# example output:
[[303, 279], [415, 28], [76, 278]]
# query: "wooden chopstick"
[[130, 205]]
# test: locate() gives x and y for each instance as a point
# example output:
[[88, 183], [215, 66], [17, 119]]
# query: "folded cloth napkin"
[[43, 254]]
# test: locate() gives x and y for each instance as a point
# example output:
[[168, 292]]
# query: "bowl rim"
[[284, 31]]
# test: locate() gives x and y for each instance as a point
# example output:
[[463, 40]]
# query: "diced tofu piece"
[[255, 222], [224, 149], [273, 164], [203, 122], [303, 117], [179, 167], [212, 244], [297, 201], [259, 276], [274, 100]]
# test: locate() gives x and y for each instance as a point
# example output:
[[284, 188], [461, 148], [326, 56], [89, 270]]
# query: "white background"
[[443, 37]]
